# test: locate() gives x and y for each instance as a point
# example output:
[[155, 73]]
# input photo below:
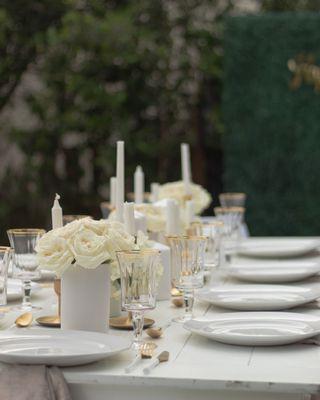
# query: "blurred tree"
[[146, 72], [289, 5], [21, 24]]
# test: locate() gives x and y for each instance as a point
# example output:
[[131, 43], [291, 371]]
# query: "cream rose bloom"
[[89, 249], [176, 191], [54, 253], [155, 216], [86, 243]]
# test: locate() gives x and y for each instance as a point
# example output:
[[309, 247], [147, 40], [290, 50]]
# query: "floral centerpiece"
[[176, 190], [83, 254], [86, 243]]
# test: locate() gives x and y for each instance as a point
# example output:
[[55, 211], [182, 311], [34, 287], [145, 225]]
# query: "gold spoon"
[[156, 332], [178, 301], [24, 320]]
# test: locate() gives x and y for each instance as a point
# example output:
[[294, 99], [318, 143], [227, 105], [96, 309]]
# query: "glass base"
[[136, 345], [25, 308]]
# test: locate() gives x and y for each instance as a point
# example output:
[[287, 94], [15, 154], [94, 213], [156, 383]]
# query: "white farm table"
[[198, 368]]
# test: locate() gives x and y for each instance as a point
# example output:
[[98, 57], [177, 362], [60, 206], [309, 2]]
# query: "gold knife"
[[162, 357]]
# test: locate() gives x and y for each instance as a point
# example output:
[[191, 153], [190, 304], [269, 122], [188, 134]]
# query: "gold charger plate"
[[126, 324], [50, 321]]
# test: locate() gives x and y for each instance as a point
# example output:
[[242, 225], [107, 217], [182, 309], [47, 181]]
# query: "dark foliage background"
[[78, 75], [272, 147]]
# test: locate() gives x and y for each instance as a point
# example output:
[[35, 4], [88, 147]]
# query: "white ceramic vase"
[[85, 298]]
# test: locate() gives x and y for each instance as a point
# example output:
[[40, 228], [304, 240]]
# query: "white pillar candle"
[[172, 218], [138, 185], [120, 181], [154, 192], [189, 216], [186, 167], [56, 213], [113, 191], [129, 222]]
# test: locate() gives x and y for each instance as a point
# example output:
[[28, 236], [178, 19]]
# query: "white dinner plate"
[[256, 328], [259, 297], [274, 271], [58, 347], [277, 247], [14, 290]]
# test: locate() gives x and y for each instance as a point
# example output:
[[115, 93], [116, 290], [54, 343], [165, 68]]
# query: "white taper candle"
[[189, 216], [113, 191], [172, 218], [138, 185], [186, 167], [129, 222], [56, 213], [120, 181], [154, 192]]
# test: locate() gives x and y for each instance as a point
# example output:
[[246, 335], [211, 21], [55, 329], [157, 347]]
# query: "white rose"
[[155, 216], [89, 249], [99, 227], [54, 253], [176, 190], [69, 229]]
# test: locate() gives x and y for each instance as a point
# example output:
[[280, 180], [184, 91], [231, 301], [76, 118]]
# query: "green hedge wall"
[[272, 140]]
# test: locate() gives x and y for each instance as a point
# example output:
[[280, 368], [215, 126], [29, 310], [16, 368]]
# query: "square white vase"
[[85, 298]]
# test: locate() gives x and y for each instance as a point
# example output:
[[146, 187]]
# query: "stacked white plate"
[[270, 289], [259, 297], [58, 347], [274, 271], [256, 328], [277, 248]]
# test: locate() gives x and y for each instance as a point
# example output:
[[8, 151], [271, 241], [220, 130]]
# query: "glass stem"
[[137, 323], [188, 297], [26, 301]]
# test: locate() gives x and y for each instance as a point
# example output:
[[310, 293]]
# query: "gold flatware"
[[175, 292], [50, 321], [125, 322], [178, 301], [156, 332], [24, 320], [162, 357], [146, 351]]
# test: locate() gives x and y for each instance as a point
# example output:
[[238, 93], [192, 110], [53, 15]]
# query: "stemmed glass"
[[138, 286], [232, 199], [5, 256], [214, 233], [232, 217], [188, 259], [23, 242]]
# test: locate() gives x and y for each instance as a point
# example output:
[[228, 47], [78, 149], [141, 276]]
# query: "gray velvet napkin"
[[32, 382]]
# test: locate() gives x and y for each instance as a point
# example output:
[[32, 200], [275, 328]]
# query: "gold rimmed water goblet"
[[232, 199], [5, 257], [138, 286], [23, 242], [188, 264], [213, 230], [232, 217]]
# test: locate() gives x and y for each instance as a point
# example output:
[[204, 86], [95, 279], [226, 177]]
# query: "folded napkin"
[[32, 382]]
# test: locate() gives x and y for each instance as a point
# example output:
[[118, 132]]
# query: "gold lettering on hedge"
[[304, 71]]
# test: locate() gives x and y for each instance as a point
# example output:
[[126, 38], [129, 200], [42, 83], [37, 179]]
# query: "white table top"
[[232, 372]]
